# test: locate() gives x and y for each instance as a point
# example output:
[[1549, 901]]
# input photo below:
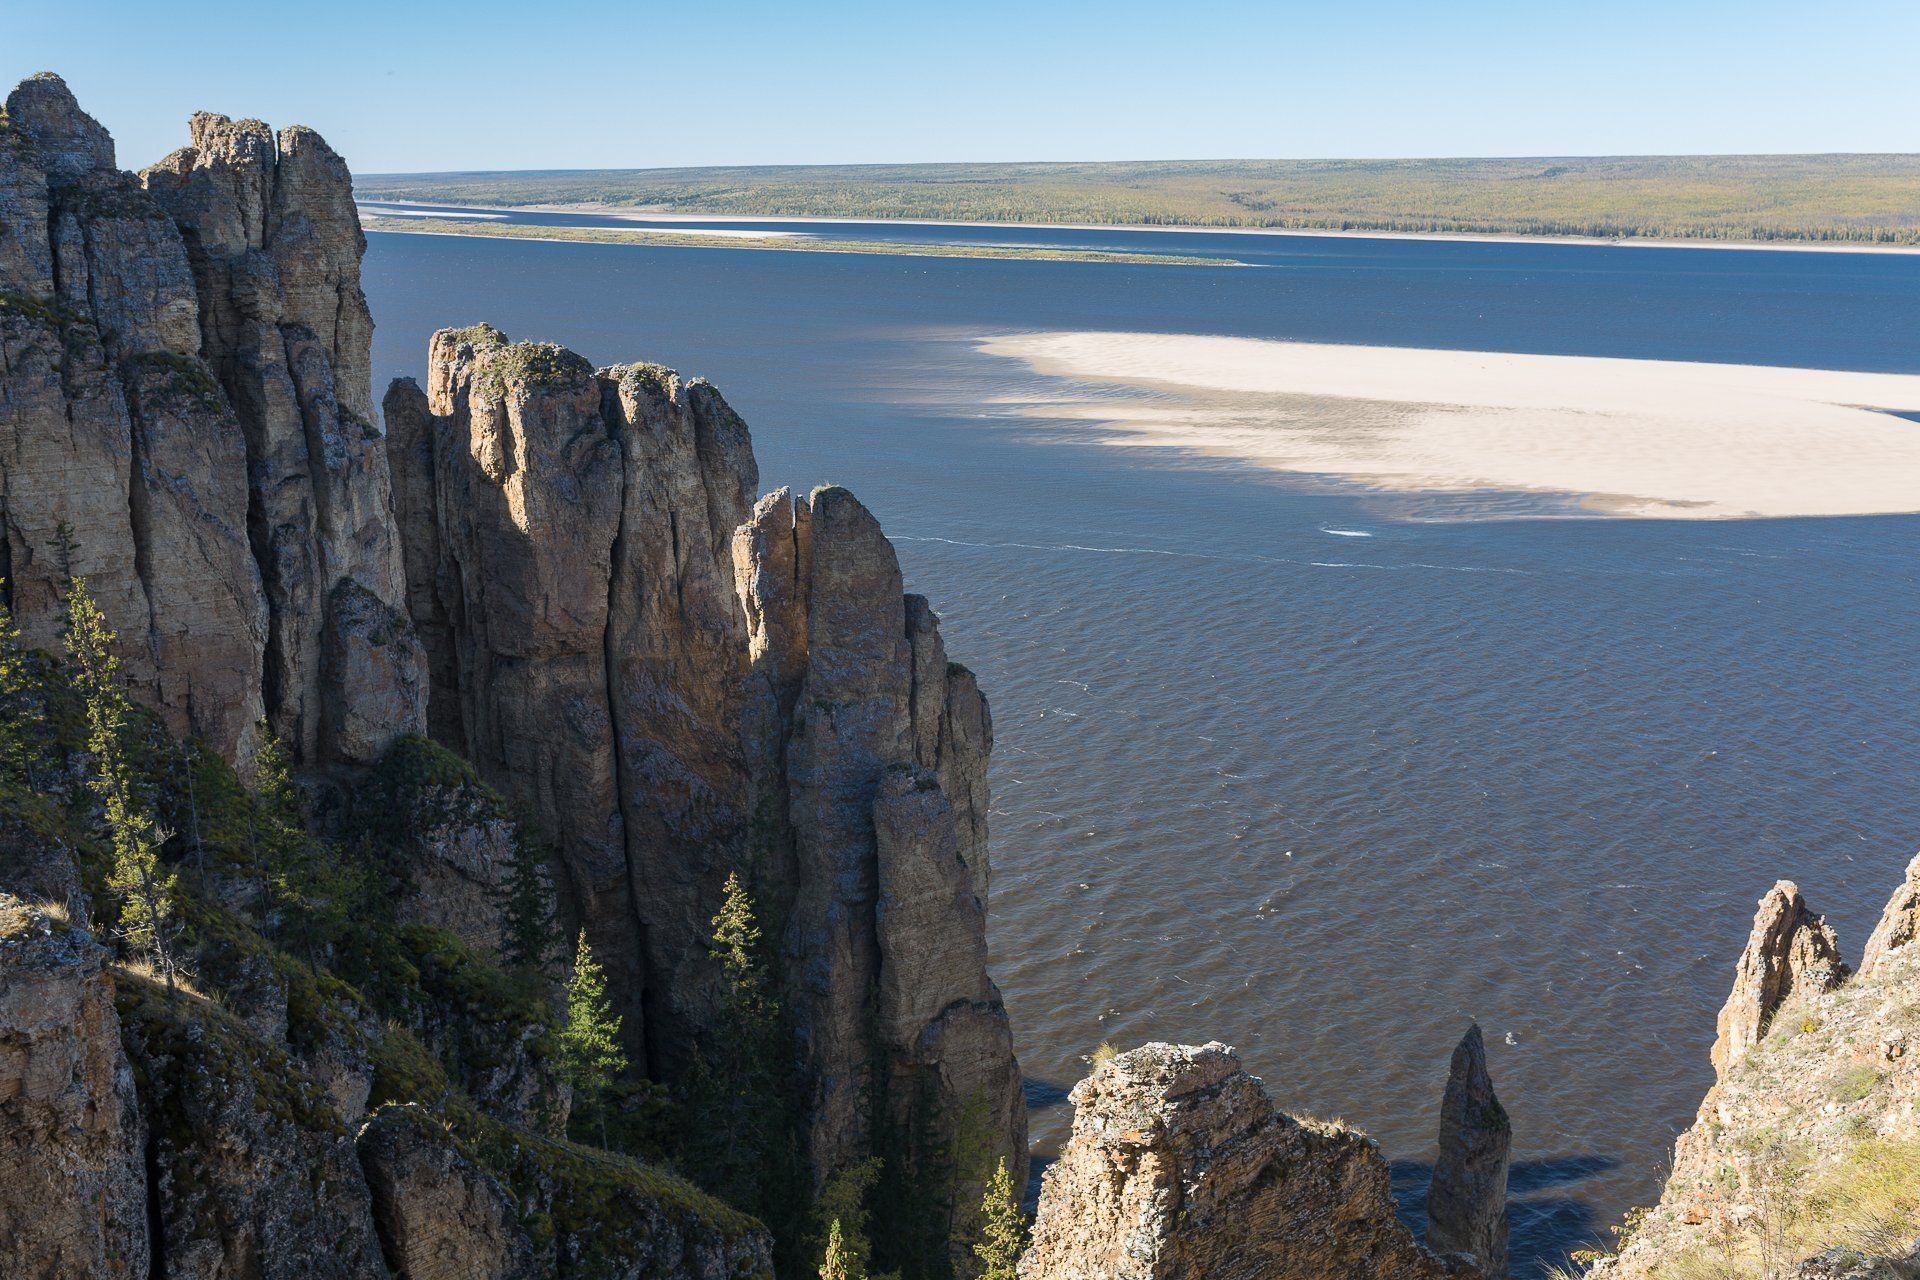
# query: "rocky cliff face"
[[1791, 951], [681, 683], [73, 1182], [1180, 1168], [563, 574], [1809, 1141], [187, 424]]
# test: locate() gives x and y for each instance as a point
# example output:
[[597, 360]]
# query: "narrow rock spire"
[[1790, 949], [1467, 1200]]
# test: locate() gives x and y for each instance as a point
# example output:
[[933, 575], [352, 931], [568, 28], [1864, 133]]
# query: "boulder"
[[440, 1215]]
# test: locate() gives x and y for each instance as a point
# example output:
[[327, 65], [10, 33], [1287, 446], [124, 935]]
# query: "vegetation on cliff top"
[[1857, 199]]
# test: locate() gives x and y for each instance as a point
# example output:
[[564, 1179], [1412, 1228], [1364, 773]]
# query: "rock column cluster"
[[186, 423], [682, 684], [559, 572]]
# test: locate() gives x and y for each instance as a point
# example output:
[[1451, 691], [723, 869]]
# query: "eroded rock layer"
[[73, 1183]]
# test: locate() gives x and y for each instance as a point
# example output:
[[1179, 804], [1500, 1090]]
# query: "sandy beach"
[[1645, 438]]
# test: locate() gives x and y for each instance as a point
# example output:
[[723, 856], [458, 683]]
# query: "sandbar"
[[1643, 438]]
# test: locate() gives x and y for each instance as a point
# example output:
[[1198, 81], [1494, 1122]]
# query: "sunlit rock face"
[[682, 683], [189, 427], [1180, 1168]]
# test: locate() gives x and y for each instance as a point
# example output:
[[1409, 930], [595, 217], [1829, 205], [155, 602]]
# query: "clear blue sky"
[[403, 85]]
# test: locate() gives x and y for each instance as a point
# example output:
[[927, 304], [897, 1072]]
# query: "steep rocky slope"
[[1808, 1142], [561, 573], [73, 1181]]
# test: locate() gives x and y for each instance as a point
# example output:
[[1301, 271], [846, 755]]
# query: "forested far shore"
[[1867, 199]]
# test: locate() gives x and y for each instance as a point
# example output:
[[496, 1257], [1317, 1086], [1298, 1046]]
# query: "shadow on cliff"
[[1545, 1227]]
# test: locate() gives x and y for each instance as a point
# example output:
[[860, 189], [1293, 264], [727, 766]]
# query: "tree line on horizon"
[[1869, 199]]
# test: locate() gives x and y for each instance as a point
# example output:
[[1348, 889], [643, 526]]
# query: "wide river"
[[1315, 771]]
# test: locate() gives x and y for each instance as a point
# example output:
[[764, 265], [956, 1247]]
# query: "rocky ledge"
[[1181, 1168]]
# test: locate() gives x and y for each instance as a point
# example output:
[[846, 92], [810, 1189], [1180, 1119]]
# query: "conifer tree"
[[590, 1052], [526, 908], [313, 890], [1003, 1228], [143, 886], [19, 706], [840, 1262], [737, 1085], [273, 782]]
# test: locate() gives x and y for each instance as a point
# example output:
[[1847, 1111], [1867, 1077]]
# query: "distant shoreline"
[[642, 237], [1473, 237]]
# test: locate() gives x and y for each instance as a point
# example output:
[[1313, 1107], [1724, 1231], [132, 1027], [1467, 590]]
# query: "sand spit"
[[1648, 438]]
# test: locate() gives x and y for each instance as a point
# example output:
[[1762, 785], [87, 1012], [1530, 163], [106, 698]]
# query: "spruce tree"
[[143, 886], [590, 1052], [1003, 1228], [737, 1086], [526, 907], [839, 1263], [312, 890], [273, 783], [20, 706]]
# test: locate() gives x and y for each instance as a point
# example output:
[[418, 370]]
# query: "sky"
[[403, 86]]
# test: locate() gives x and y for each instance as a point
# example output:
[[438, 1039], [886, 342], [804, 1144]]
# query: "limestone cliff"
[[562, 573], [681, 683], [1180, 1168], [188, 425]]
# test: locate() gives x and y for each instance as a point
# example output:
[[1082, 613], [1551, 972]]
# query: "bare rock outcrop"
[[1899, 923], [440, 1215], [736, 684], [1790, 950], [73, 1185], [1180, 1168], [255, 1169], [1467, 1199], [269, 227], [1796, 1147], [188, 425]]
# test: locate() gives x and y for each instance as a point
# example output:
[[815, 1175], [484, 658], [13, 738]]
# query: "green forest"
[[1868, 199]]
